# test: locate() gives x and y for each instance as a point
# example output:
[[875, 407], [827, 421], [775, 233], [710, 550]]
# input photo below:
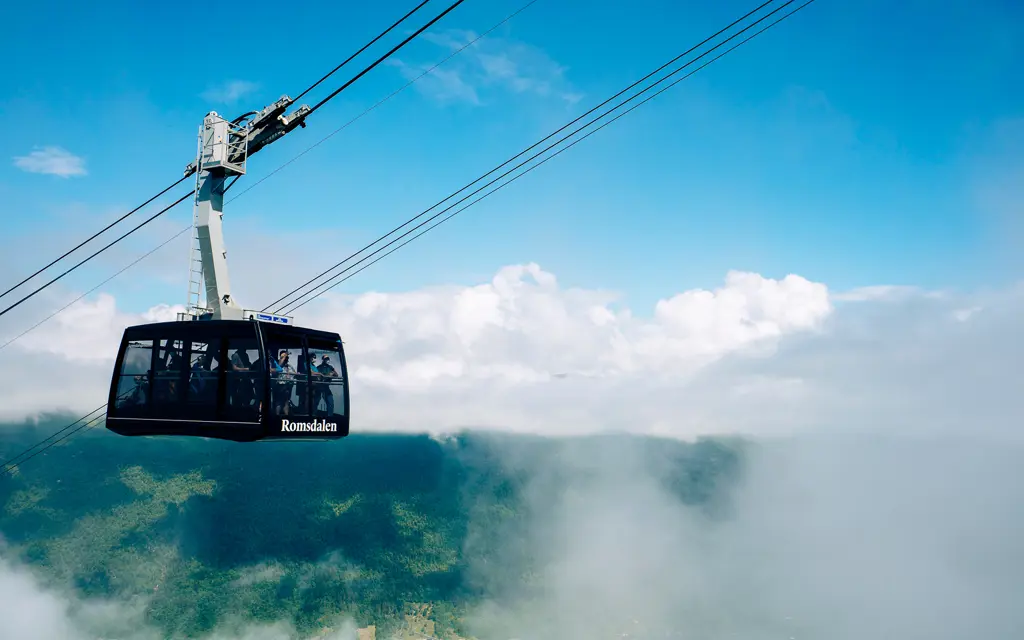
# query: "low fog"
[[31, 611], [835, 538], [819, 537]]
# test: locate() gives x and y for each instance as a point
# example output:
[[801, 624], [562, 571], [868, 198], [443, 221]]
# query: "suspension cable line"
[[362, 49], [383, 100], [526, 150], [387, 55], [108, 246], [92, 237], [123, 269], [11, 464], [293, 159], [552, 156], [182, 179], [290, 304]]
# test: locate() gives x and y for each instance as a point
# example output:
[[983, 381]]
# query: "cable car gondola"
[[225, 372], [241, 380]]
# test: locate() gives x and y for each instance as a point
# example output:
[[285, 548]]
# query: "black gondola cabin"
[[235, 380]]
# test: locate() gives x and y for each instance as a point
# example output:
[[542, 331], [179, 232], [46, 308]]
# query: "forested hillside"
[[384, 530]]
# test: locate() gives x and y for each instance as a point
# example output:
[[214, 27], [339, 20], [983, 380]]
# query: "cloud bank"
[[755, 355], [833, 537], [894, 513]]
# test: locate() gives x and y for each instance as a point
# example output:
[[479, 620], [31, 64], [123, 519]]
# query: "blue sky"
[[855, 144]]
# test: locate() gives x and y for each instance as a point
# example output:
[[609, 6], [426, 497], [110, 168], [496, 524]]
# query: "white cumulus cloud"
[[522, 353], [54, 161]]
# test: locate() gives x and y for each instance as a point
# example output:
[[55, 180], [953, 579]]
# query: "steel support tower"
[[224, 149]]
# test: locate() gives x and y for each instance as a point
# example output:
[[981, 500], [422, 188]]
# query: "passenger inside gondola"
[[165, 388], [326, 370], [303, 377], [203, 379], [282, 375], [196, 383], [240, 387], [137, 396], [244, 380], [316, 393], [328, 385]]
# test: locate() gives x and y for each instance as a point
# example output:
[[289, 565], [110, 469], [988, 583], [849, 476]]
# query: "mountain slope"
[[391, 531]]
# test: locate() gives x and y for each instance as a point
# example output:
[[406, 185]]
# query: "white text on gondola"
[[316, 425]]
